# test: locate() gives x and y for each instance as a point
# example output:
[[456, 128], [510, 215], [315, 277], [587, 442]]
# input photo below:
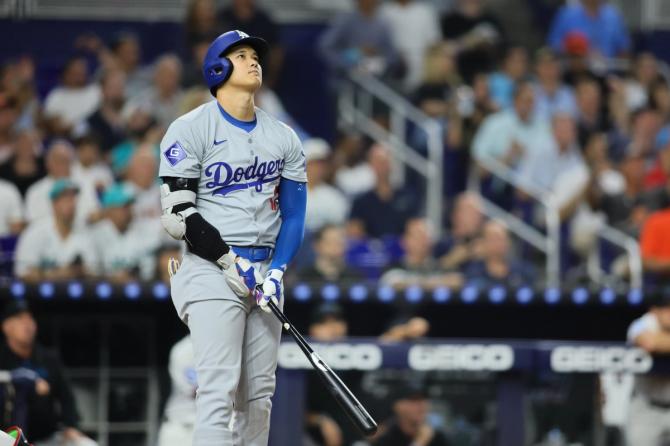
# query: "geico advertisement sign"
[[493, 357], [600, 359], [337, 356]]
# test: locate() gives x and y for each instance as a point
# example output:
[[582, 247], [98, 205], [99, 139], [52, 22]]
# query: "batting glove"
[[272, 289], [241, 276]]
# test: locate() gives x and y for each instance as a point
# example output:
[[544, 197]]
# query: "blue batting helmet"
[[216, 67]]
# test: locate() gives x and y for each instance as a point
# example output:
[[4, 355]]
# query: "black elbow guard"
[[203, 239]]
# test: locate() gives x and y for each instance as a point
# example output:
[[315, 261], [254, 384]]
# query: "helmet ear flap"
[[221, 72]]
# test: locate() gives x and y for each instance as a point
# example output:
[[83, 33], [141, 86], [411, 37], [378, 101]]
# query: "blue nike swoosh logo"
[[216, 143]]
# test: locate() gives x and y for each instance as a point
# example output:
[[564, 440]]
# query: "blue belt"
[[253, 253]]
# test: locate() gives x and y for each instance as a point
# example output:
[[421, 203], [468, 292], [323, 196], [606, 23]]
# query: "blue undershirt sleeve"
[[292, 204]]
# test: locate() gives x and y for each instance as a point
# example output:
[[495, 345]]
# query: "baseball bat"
[[346, 399]]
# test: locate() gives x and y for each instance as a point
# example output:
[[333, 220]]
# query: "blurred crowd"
[[78, 165]]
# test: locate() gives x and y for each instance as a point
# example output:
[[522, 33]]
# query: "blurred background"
[[488, 222]]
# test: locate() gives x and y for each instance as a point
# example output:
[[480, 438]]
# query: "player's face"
[[247, 72]]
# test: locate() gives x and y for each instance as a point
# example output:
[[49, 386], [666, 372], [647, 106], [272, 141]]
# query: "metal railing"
[[355, 111], [549, 244]]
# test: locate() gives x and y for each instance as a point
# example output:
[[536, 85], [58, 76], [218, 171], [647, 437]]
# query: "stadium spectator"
[[410, 425], [165, 95], [89, 169], [54, 248], [498, 265], [476, 108], [384, 210], [598, 22], [655, 245], [326, 205], [649, 412], [25, 166], [59, 161], [359, 40], [616, 192], [477, 35], [106, 122], [509, 135], [440, 79], [201, 22], [514, 69], [418, 266], [141, 129], [17, 80], [124, 246], [353, 175], [9, 114], [141, 176], [659, 99], [179, 417], [557, 168], [249, 17], [463, 244], [591, 117], [192, 72], [329, 244], [50, 411], [126, 55], [551, 95], [577, 63], [11, 211], [414, 28], [324, 423], [643, 76], [73, 101]]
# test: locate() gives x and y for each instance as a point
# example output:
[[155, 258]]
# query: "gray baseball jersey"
[[239, 171]]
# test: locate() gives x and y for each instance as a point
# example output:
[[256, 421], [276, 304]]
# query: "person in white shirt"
[[414, 28], [325, 203], [74, 100], [649, 412], [88, 168], [165, 95], [141, 176], [11, 211], [124, 246], [59, 160], [510, 135], [54, 248], [179, 417]]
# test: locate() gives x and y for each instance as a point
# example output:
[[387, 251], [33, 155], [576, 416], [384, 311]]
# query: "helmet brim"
[[259, 45]]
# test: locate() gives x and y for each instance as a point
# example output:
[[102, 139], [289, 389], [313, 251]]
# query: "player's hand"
[[242, 277], [272, 289]]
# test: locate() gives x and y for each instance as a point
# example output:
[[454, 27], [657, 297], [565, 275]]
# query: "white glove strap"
[[226, 260], [276, 274]]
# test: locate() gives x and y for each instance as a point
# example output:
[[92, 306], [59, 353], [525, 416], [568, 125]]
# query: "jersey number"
[[274, 200]]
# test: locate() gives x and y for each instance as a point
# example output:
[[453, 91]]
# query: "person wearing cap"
[[601, 24], [124, 245], [59, 160], [43, 402], [649, 413], [325, 423], [54, 248], [409, 426], [325, 203]]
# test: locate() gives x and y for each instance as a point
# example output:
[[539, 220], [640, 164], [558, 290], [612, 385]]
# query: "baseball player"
[[234, 188]]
